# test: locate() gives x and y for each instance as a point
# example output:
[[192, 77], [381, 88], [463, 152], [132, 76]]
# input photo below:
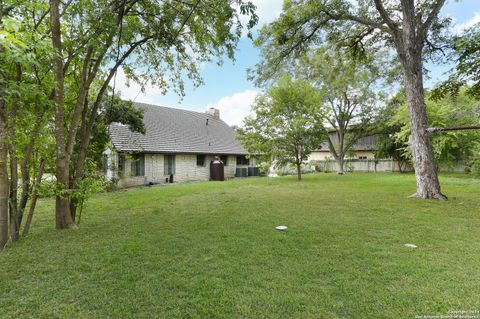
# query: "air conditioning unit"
[[241, 172]]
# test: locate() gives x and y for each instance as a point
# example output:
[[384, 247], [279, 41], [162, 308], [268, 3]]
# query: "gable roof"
[[170, 130]]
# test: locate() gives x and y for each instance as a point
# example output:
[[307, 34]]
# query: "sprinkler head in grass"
[[281, 228], [410, 245]]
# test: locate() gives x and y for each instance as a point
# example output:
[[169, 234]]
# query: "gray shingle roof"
[[170, 130]]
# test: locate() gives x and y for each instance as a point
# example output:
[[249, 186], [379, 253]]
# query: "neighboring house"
[[178, 146], [364, 149]]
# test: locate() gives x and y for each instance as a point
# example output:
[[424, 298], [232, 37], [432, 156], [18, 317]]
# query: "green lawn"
[[210, 250]]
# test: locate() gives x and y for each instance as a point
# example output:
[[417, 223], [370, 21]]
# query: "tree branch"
[[431, 17], [332, 148], [383, 13], [350, 17]]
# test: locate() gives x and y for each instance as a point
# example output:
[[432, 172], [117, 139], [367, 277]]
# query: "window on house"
[[362, 157], [201, 160], [121, 164], [242, 160], [169, 164], [138, 165], [224, 159]]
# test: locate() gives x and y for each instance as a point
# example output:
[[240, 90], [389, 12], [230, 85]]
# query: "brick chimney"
[[213, 112]]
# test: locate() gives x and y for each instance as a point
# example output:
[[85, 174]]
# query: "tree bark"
[[38, 181], [4, 185], [428, 185], [12, 149], [338, 156], [63, 217], [13, 204], [340, 163], [26, 164], [299, 171], [79, 167], [298, 163]]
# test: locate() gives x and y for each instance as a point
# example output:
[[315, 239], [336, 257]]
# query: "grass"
[[210, 250]]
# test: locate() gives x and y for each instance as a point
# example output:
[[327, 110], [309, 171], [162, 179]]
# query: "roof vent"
[[215, 113]]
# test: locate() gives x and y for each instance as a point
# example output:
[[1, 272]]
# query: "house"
[[178, 146], [360, 158], [364, 149]]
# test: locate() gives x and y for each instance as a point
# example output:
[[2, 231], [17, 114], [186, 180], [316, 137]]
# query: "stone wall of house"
[[132, 181], [231, 167], [186, 169]]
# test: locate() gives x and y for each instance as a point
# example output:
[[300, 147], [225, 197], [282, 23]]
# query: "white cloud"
[[459, 28], [234, 108]]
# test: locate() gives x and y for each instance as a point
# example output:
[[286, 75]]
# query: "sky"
[[227, 88]]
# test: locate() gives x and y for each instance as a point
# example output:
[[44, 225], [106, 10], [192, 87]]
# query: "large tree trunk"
[[428, 185], [4, 187], [62, 204], [409, 48]]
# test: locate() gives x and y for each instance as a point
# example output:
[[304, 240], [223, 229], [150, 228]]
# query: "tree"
[[466, 73], [346, 88], [448, 147], [63, 218], [26, 90], [58, 61], [4, 190], [152, 41], [287, 124], [112, 110], [4, 187], [410, 27]]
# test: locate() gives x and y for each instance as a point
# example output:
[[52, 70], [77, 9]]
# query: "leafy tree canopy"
[[466, 73], [287, 124], [461, 110], [362, 28], [348, 91]]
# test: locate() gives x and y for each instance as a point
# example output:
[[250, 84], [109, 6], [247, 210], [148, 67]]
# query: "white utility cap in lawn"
[[410, 245], [281, 227]]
